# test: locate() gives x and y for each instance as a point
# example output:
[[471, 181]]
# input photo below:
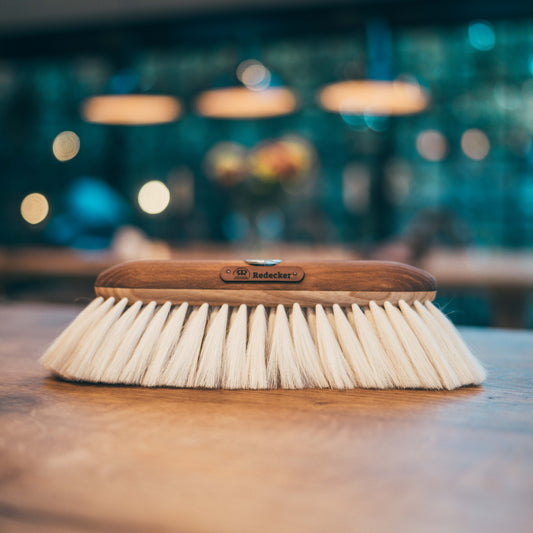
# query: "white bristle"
[[61, 349], [234, 359], [455, 360], [375, 354], [209, 372], [434, 352], [389, 346], [390, 370], [282, 370], [335, 366], [88, 333], [142, 356], [402, 368], [127, 346], [270, 330], [362, 372], [82, 358], [306, 353], [183, 361], [451, 334], [256, 372], [116, 334], [165, 346], [428, 377]]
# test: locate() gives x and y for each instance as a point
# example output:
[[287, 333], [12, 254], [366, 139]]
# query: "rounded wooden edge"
[[266, 298]]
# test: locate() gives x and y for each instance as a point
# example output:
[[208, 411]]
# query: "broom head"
[[264, 324]]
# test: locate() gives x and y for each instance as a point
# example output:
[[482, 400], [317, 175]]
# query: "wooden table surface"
[[101, 458]]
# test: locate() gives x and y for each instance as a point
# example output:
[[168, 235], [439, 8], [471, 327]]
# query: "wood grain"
[[264, 297], [379, 276], [110, 458]]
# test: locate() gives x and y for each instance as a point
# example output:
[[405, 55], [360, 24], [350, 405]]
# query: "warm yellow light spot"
[[154, 197], [432, 145], [34, 208], [379, 98], [241, 102], [66, 146], [475, 144], [131, 109]]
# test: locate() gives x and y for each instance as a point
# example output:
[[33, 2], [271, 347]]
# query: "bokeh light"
[[66, 146], [432, 145], [481, 35], [34, 208], [154, 197], [475, 144], [253, 74]]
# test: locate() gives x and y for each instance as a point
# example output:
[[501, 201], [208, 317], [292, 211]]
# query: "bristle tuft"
[[306, 353], [375, 354], [142, 356], [477, 372], [234, 361], [184, 360], [256, 372], [209, 374], [449, 379], [282, 370], [335, 366], [362, 372], [165, 346], [127, 346], [427, 375]]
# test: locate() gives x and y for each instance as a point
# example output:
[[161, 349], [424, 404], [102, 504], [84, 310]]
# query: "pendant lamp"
[[124, 104], [255, 92], [379, 94]]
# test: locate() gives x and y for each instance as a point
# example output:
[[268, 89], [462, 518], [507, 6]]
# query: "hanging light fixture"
[[378, 95], [126, 105], [256, 93], [374, 97]]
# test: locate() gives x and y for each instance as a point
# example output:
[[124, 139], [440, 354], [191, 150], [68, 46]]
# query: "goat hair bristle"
[[379, 346]]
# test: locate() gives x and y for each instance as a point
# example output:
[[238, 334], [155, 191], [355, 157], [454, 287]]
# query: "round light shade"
[[131, 109], [241, 102], [370, 97]]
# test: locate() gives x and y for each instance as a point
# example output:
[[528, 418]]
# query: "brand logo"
[[282, 274], [241, 273]]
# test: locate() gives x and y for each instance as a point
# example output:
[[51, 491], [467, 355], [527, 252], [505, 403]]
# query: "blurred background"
[[397, 130]]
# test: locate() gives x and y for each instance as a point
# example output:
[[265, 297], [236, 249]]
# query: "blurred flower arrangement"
[[227, 163], [281, 161]]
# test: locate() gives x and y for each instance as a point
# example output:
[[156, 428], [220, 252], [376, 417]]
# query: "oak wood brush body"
[[264, 324]]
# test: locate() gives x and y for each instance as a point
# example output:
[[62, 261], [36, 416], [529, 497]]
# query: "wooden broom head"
[[270, 283]]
